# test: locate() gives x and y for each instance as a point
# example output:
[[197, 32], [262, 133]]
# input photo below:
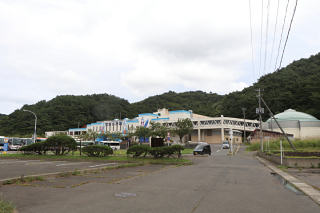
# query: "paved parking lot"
[[11, 168]]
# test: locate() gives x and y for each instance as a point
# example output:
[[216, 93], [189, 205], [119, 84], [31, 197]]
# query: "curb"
[[302, 186], [69, 173]]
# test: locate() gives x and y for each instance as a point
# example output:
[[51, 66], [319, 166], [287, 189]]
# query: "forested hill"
[[296, 86], [197, 101], [62, 113]]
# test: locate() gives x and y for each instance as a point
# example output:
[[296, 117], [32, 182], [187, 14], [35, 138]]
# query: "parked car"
[[201, 149], [225, 145]]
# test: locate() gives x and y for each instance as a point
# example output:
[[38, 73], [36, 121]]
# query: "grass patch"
[[113, 158], [23, 180], [6, 207], [187, 151], [308, 145], [282, 167]]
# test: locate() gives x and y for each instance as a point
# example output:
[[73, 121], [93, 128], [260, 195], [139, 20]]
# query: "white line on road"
[[18, 161], [44, 162], [68, 164], [105, 164]]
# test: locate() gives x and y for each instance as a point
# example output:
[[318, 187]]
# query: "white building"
[[206, 129], [300, 124]]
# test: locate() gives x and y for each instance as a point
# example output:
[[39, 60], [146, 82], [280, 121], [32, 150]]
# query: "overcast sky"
[[136, 49]]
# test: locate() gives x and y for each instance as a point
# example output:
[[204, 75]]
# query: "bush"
[[159, 152], [97, 150], [156, 152], [60, 145], [138, 150], [176, 149], [38, 148]]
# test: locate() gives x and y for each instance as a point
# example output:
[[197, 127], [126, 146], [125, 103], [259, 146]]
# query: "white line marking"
[[17, 161], [218, 150], [105, 164], [68, 164], [44, 162]]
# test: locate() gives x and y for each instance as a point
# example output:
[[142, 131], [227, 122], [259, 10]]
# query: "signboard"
[[260, 111], [5, 145]]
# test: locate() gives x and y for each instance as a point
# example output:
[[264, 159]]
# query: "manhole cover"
[[125, 194]]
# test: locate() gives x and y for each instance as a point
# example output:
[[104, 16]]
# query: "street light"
[[35, 124]]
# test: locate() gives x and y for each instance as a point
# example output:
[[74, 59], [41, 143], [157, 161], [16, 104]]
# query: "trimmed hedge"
[[97, 150], [38, 148], [137, 150], [156, 152], [59, 145]]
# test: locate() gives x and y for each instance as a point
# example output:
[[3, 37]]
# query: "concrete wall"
[[292, 162]]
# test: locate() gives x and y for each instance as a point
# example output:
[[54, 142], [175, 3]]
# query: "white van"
[[115, 145], [1, 143]]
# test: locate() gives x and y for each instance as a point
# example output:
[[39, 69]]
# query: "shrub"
[[39, 148], [138, 150], [175, 149], [60, 145], [97, 151], [159, 152]]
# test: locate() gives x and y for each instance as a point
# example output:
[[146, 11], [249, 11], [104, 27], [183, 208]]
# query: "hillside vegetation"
[[296, 86]]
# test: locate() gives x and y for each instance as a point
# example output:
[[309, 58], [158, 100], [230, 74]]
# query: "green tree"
[[61, 144], [142, 132], [182, 128], [90, 135], [158, 130]]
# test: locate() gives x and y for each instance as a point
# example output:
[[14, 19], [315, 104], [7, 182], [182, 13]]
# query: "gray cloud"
[[51, 48]]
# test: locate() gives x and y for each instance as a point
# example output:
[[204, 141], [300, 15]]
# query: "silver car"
[[225, 145]]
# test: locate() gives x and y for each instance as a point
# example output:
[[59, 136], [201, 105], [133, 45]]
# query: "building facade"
[[301, 125], [212, 130]]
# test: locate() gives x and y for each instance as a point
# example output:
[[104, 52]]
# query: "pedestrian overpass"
[[222, 123]]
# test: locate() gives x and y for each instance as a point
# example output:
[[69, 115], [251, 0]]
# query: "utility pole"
[[35, 124], [260, 111], [285, 134], [244, 124]]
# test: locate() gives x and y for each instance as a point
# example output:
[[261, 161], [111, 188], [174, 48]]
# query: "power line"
[[284, 22], [266, 39], [261, 37], [285, 44], [252, 55], [274, 34]]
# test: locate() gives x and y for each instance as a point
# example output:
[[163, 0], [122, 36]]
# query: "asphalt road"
[[217, 183], [11, 168]]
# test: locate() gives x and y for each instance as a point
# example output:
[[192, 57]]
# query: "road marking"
[[18, 161], [105, 164], [44, 162], [68, 164], [218, 150]]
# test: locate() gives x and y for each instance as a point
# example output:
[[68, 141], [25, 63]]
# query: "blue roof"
[[78, 129], [133, 121], [95, 124], [147, 114], [158, 119], [179, 111]]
